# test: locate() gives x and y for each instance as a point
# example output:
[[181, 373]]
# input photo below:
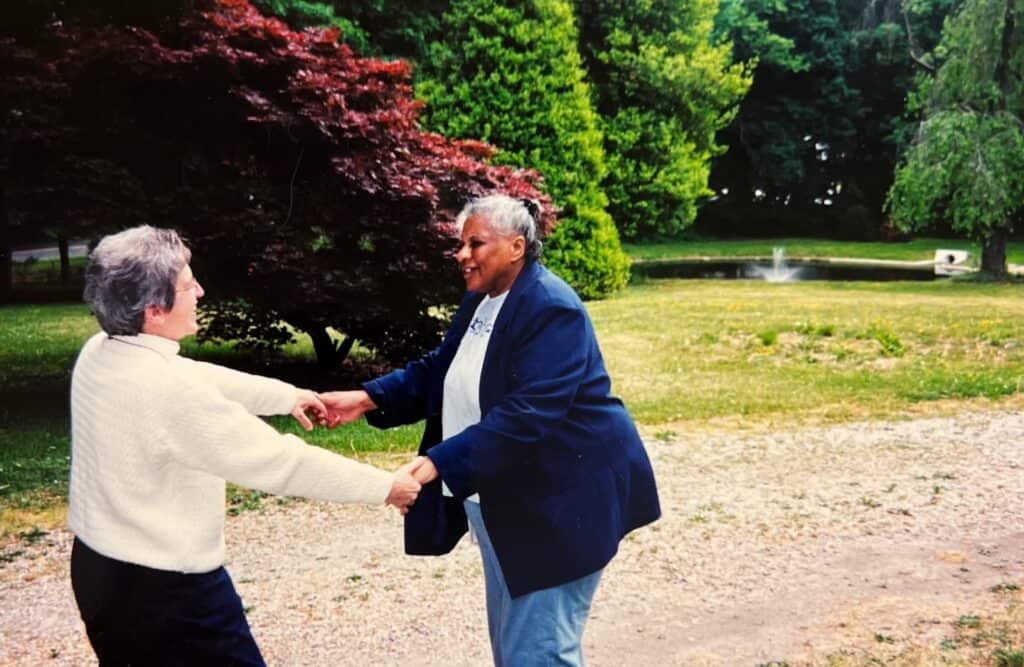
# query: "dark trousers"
[[136, 615]]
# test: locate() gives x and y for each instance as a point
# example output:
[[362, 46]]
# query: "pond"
[[777, 270]]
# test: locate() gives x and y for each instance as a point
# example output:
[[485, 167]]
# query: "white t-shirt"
[[461, 406]]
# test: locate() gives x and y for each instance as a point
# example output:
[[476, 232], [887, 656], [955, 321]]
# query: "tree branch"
[[291, 186], [1002, 74], [911, 46]]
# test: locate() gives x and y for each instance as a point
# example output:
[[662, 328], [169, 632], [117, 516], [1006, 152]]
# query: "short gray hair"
[[507, 216], [130, 270]]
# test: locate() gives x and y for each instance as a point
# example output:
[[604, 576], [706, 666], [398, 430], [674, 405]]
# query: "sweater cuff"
[[292, 393]]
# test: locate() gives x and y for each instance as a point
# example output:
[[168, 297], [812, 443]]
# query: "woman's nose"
[[462, 253]]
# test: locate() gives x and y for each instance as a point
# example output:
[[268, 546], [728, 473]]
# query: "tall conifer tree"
[[664, 87], [510, 73]]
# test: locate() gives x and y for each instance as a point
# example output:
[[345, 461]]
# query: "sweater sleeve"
[[257, 394], [206, 431]]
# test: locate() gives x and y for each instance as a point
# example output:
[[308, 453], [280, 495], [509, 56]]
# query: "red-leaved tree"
[[297, 170]]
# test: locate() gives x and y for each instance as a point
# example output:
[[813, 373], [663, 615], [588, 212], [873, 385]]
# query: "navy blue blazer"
[[561, 471]]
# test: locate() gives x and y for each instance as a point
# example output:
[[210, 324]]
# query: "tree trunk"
[[6, 265], [993, 253], [993, 250], [65, 260], [323, 345], [1002, 73], [328, 353]]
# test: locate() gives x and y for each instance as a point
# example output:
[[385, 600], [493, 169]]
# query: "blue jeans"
[[541, 628]]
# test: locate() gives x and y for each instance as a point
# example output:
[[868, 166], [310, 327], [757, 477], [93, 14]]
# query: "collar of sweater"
[[164, 346]]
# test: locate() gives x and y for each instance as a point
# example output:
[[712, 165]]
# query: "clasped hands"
[[334, 408]]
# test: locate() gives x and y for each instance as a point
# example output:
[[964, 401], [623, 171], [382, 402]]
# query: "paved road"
[[74, 250]]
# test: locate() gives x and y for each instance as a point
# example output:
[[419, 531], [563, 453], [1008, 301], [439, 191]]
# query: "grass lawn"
[[685, 350], [38, 272], [734, 353], [912, 250]]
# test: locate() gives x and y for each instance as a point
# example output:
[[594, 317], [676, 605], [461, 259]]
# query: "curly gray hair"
[[507, 216], [130, 270]]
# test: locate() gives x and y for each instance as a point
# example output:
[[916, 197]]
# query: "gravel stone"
[[787, 546]]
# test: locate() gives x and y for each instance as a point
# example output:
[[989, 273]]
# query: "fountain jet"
[[778, 272]]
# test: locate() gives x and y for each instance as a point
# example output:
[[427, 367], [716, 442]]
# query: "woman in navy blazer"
[[553, 457]]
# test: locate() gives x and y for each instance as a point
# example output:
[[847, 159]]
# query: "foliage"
[[305, 14], [298, 171], [795, 102], [968, 161], [396, 28], [746, 24], [510, 74], [664, 87], [813, 147]]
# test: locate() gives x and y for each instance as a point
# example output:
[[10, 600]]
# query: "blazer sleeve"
[[548, 358], [404, 396]]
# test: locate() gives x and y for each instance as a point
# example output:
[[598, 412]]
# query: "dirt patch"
[[801, 545]]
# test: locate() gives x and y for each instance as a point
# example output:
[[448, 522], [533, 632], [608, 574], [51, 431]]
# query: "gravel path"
[[780, 546]]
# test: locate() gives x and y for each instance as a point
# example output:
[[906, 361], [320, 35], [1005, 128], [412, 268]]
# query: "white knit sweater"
[[153, 437]]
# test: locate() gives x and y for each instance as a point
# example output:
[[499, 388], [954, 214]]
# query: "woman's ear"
[[518, 248], [153, 318]]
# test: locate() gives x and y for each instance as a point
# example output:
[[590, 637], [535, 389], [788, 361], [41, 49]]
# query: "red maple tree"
[[298, 171]]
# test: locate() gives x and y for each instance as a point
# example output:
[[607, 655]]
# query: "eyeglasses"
[[192, 285]]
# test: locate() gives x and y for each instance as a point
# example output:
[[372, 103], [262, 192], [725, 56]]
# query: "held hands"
[[422, 469], [407, 483], [343, 407], [305, 401], [404, 490]]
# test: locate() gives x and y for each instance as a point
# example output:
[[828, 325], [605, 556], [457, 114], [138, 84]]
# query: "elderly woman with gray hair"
[[523, 440], [154, 436]]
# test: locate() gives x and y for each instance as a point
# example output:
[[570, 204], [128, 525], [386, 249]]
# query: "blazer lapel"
[[496, 344]]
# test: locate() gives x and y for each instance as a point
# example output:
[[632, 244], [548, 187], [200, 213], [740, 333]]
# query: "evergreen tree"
[[664, 87], [509, 73], [390, 28]]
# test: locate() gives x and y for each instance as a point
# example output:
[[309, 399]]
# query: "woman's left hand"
[[308, 400], [422, 469]]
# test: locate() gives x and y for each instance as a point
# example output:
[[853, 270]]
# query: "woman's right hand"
[[423, 469], [344, 407], [404, 490]]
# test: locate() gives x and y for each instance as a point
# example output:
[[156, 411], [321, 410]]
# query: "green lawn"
[[915, 249], [703, 351], [700, 349], [41, 272]]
